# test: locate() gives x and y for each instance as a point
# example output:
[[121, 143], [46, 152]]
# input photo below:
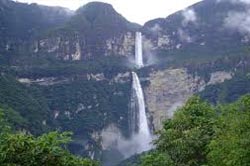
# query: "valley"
[[111, 82]]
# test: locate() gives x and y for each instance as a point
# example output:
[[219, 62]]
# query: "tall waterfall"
[[139, 125], [139, 128], [142, 118], [138, 50], [140, 136]]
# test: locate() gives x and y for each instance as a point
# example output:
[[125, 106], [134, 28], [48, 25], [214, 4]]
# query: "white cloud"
[[156, 28], [243, 1], [239, 21], [189, 16], [235, 1], [138, 11], [184, 36]]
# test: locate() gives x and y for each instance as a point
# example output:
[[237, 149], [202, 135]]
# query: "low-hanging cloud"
[[235, 1], [242, 1], [189, 15], [238, 21], [112, 138], [184, 36], [156, 28]]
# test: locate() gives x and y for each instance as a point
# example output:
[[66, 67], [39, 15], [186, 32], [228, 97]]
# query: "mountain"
[[47, 33], [70, 71], [100, 18], [49, 88], [21, 23], [203, 50], [94, 30], [207, 30]]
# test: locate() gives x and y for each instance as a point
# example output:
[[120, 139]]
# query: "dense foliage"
[[231, 144], [79, 105], [29, 108], [25, 149], [200, 134], [21, 21], [83, 106], [110, 66], [229, 90]]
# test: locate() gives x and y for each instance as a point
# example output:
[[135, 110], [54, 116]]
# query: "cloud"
[[112, 138], [242, 1], [156, 28], [189, 15], [239, 21], [235, 1], [184, 36]]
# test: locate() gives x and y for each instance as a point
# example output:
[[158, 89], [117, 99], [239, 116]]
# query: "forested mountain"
[[32, 32], [70, 70], [205, 31], [22, 21]]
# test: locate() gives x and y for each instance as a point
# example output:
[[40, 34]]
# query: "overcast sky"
[[138, 11]]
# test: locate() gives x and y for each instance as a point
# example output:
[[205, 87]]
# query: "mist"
[[189, 16], [239, 21]]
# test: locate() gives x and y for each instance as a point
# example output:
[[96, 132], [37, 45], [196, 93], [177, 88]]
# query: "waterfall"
[[138, 50], [142, 118], [140, 136], [140, 131]]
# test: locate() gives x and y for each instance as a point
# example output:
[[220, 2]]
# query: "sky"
[[139, 11]]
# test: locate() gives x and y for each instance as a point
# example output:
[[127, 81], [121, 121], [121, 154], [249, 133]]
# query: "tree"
[[200, 135], [21, 149], [185, 137], [3, 124], [156, 159], [231, 145], [183, 140]]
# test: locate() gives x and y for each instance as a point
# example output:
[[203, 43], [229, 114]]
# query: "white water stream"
[[138, 50], [141, 133]]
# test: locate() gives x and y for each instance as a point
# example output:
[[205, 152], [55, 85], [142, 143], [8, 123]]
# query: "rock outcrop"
[[77, 48], [170, 89]]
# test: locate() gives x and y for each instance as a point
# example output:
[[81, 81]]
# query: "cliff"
[[171, 88]]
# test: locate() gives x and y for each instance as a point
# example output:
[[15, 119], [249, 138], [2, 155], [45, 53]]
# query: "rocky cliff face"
[[170, 89], [95, 30], [206, 26], [123, 45], [76, 47], [62, 47]]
